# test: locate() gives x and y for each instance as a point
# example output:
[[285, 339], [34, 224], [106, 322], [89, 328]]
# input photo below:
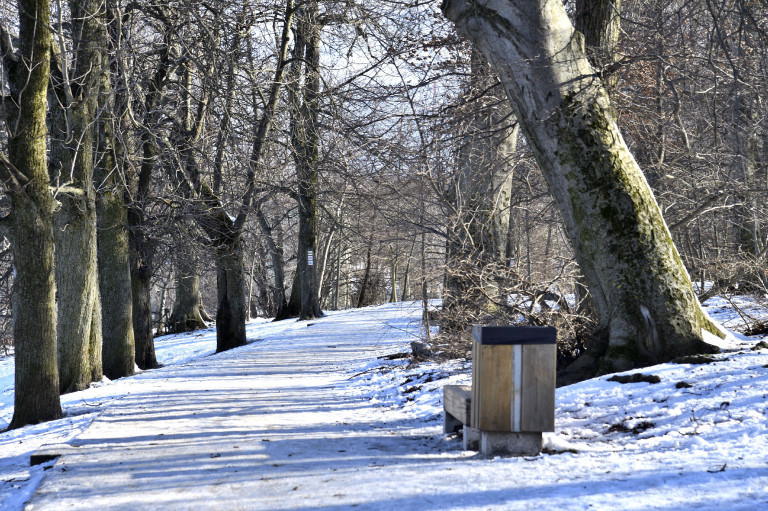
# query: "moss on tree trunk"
[[30, 220]]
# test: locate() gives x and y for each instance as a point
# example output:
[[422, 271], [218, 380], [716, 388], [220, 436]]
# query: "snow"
[[312, 415]]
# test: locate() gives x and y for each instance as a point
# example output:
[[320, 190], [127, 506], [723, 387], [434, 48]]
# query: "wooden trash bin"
[[513, 387]]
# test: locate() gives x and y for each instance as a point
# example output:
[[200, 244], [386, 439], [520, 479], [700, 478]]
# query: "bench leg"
[[494, 443], [450, 423], [471, 439]]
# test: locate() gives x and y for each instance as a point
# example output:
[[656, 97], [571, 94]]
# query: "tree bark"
[[73, 140], [278, 264], [304, 107], [642, 291], [118, 345], [141, 290], [188, 303], [25, 176], [230, 284], [118, 348]]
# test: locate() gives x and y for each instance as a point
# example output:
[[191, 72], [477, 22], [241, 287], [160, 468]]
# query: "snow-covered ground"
[[324, 420]]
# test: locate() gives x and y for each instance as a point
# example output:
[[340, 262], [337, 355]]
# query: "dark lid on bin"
[[501, 335]]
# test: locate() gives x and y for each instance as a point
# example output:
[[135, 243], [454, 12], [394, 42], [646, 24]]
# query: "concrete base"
[[471, 439], [495, 443]]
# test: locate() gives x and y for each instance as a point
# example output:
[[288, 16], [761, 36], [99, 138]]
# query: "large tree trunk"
[[30, 221], [141, 290], [78, 288], [118, 353], [72, 158], [599, 21], [231, 310], [642, 291], [118, 348]]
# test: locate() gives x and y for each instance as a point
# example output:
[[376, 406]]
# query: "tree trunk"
[[363, 296], [293, 309], [599, 22], [25, 176], [141, 259], [278, 265], [95, 342], [141, 246], [404, 295], [118, 349], [304, 109], [393, 278], [72, 158], [78, 288], [642, 291], [231, 311], [187, 305], [141, 289], [118, 346]]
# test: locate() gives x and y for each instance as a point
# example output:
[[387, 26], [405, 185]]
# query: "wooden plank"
[[457, 401], [475, 382], [516, 395], [492, 387], [538, 387]]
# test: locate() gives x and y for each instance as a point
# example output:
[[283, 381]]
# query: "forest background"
[[278, 159]]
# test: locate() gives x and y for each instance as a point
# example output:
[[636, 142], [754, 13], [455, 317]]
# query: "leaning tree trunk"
[[641, 289], [599, 21], [30, 223]]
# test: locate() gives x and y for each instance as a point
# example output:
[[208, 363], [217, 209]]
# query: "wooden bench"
[[457, 404], [512, 397], [457, 407]]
